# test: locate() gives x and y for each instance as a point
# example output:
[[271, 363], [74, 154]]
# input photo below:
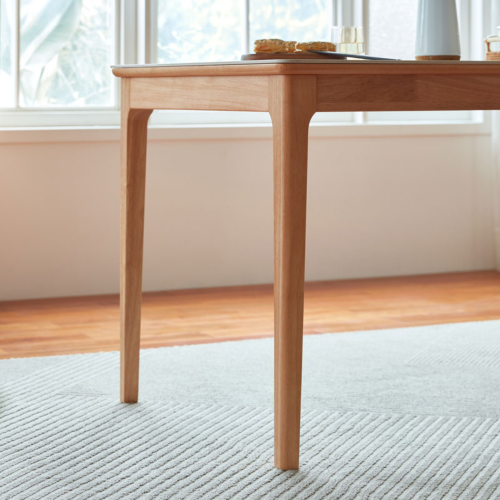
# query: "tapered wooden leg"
[[292, 103], [133, 176]]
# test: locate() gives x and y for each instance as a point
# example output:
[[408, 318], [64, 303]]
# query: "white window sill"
[[242, 131]]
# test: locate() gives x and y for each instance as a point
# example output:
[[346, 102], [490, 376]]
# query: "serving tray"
[[295, 55]]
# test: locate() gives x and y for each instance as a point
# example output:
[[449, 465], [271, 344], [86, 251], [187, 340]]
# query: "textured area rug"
[[408, 413]]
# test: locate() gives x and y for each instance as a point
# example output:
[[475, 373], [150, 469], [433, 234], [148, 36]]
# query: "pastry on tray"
[[273, 46], [326, 46], [277, 46]]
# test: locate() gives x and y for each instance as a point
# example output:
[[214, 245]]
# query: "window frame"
[[135, 33], [30, 116]]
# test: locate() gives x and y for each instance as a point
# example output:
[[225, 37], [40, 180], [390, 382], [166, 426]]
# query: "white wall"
[[377, 207]]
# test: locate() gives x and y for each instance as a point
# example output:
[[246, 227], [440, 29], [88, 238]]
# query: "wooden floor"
[[89, 324]]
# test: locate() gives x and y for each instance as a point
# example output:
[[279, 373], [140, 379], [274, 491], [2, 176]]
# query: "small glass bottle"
[[348, 39]]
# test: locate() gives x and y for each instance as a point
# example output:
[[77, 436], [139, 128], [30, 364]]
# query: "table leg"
[[292, 103], [133, 177]]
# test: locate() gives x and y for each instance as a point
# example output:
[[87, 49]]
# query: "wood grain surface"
[[326, 67], [134, 124], [292, 104], [47, 327], [218, 93], [408, 93]]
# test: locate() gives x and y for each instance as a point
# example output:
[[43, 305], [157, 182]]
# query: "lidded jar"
[[493, 52]]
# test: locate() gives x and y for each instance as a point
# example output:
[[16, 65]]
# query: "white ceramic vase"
[[438, 35]]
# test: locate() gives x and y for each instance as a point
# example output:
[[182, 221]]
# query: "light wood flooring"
[[90, 324]]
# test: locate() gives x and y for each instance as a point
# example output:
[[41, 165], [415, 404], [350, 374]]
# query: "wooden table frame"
[[292, 93]]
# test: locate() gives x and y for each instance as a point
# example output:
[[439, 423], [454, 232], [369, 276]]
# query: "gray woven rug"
[[408, 413]]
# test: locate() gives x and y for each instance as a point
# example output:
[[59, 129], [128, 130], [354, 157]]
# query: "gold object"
[[437, 58]]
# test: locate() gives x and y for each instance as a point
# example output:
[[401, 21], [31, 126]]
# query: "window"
[[394, 35], [50, 47], [199, 30], [55, 54]]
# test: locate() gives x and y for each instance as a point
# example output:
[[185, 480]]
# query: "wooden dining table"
[[292, 91]]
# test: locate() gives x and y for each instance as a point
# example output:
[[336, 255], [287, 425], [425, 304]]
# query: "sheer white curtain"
[[495, 135]]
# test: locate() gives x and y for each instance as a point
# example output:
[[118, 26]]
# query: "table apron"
[[407, 92], [212, 93], [334, 92]]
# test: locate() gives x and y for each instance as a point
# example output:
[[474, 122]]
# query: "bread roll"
[[273, 46], [327, 46]]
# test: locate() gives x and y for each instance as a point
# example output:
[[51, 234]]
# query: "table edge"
[[316, 67]]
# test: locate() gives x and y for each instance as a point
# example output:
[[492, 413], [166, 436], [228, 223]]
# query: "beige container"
[[492, 55]]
